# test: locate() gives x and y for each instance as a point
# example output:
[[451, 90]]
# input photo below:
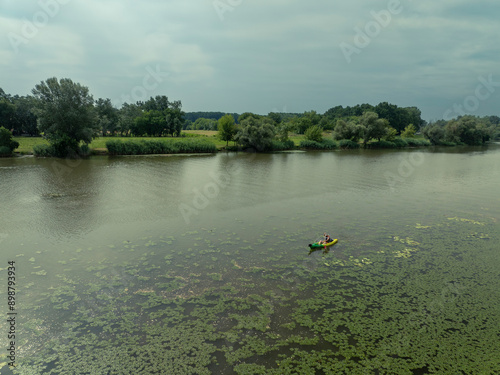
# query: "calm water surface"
[[191, 228]]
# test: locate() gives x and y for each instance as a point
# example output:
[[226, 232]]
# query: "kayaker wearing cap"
[[327, 239]]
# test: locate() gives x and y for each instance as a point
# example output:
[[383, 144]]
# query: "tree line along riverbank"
[[69, 118]]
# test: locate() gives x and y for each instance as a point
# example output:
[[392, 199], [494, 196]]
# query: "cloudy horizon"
[[261, 57]]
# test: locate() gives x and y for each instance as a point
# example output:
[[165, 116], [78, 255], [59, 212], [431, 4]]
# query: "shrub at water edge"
[[314, 133], [325, 144], [415, 142], [281, 146], [5, 151], [118, 147], [43, 150], [400, 143], [381, 144], [348, 144], [7, 144], [195, 145]]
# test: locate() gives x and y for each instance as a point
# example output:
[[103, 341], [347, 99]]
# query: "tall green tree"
[[374, 127], [467, 129], [398, 117], [108, 116], [158, 103], [434, 133], [159, 117], [205, 124], [226, 128], [314, 133], [341, 112], [283, 129], [7, 112], [25, 120], [66, 114], [276, 117], [152, 123], [126, 117], [414, 116], [409, 132], [348, 130], [256, 133], [175, 119], [307, 120], [246, 115]]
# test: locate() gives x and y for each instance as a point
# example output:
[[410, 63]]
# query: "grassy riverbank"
[[98, 145]]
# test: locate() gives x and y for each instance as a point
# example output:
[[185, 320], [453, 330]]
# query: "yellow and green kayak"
[[316, 245]]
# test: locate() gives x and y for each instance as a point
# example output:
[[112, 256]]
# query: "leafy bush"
[[226, 128], [280, 146], [282, 131], [5, 151], [314, 133], [409, 131], [348, 144], [348, 131], [400, 143], [374, 127], [434, 133], [114, 147], [325, 144], [381, 144], [329, 144], [391, 134], [43, 150], [7, 141], [415, 142], [84, 150], [118, 147], [256, 133], [64, 146]]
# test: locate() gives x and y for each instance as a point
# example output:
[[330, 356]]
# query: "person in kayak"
[[327, 239]]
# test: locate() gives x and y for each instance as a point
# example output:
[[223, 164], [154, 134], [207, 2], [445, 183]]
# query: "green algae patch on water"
[[409, 301], [466, 220]]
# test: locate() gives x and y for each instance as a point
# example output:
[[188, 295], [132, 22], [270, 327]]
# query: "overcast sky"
[[261, 56]]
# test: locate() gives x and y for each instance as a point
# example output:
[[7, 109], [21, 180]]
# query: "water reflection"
[[63, 199]]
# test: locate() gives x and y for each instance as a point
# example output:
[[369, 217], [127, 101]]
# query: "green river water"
[[199, 264]]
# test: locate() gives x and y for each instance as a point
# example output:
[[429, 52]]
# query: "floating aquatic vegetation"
[[40, 273], [273, 310], [172, 285], [406, 240], [420, 226], [482, 236], [406, 253], [466, 220], [215, 276], [235, 264]]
